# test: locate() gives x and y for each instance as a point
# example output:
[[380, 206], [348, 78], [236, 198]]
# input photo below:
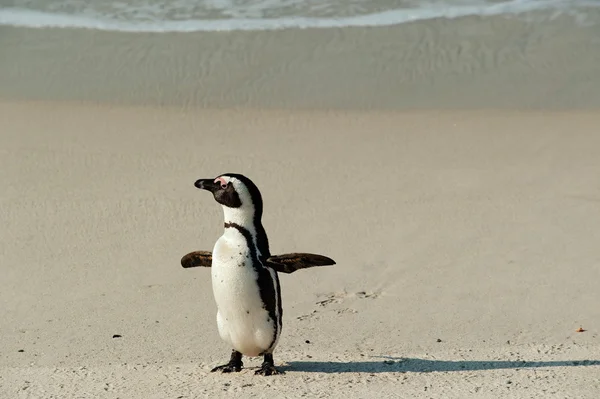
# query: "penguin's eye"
[[222, 182]]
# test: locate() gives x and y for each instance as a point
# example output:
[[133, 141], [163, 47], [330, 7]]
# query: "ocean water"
[[229, 15]]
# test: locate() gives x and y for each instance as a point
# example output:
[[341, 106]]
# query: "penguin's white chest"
[[242, 319]]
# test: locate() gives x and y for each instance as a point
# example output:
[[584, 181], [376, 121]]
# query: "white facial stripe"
[[241, 190]]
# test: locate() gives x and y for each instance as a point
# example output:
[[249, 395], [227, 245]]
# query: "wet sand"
[[468, 63]]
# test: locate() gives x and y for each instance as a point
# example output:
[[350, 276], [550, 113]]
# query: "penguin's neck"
[[244, 221], [241, 217]]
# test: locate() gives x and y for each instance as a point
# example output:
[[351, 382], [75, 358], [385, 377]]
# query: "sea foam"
[[22, 17]]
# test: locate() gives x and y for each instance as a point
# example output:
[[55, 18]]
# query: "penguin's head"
[[234, 192]]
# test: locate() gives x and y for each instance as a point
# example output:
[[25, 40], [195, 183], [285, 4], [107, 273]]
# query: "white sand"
[[477, 228]]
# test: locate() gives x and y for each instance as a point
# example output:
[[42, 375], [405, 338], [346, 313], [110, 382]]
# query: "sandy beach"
[[452, 176], [476, 229]]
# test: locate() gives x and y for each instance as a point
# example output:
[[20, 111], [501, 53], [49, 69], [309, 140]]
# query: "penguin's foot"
[[268, 367], [235, 364], [227, 368]]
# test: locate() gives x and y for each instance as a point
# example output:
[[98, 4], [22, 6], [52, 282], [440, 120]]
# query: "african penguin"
[[245, 283]]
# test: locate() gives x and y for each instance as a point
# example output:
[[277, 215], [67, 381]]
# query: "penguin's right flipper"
[[289, 263], [196, 259]]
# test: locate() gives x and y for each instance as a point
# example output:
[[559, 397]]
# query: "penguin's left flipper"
[[286, 263], [289, 263], [196, 259]]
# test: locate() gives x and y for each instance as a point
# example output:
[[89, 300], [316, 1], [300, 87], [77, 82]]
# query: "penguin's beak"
[[206, 184]]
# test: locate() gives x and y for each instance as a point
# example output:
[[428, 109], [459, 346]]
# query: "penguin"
[[244, 274]]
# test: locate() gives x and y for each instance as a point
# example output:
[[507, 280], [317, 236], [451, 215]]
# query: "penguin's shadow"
[[407, 365]]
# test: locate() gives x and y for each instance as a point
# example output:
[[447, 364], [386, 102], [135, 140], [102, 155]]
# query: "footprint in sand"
[[340, 297], [336, 298]]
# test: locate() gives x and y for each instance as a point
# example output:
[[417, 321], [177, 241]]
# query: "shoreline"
[[467, 63]]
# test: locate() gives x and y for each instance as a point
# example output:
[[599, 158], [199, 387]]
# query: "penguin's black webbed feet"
[[268, 367], [235, 364], [227, 368]]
